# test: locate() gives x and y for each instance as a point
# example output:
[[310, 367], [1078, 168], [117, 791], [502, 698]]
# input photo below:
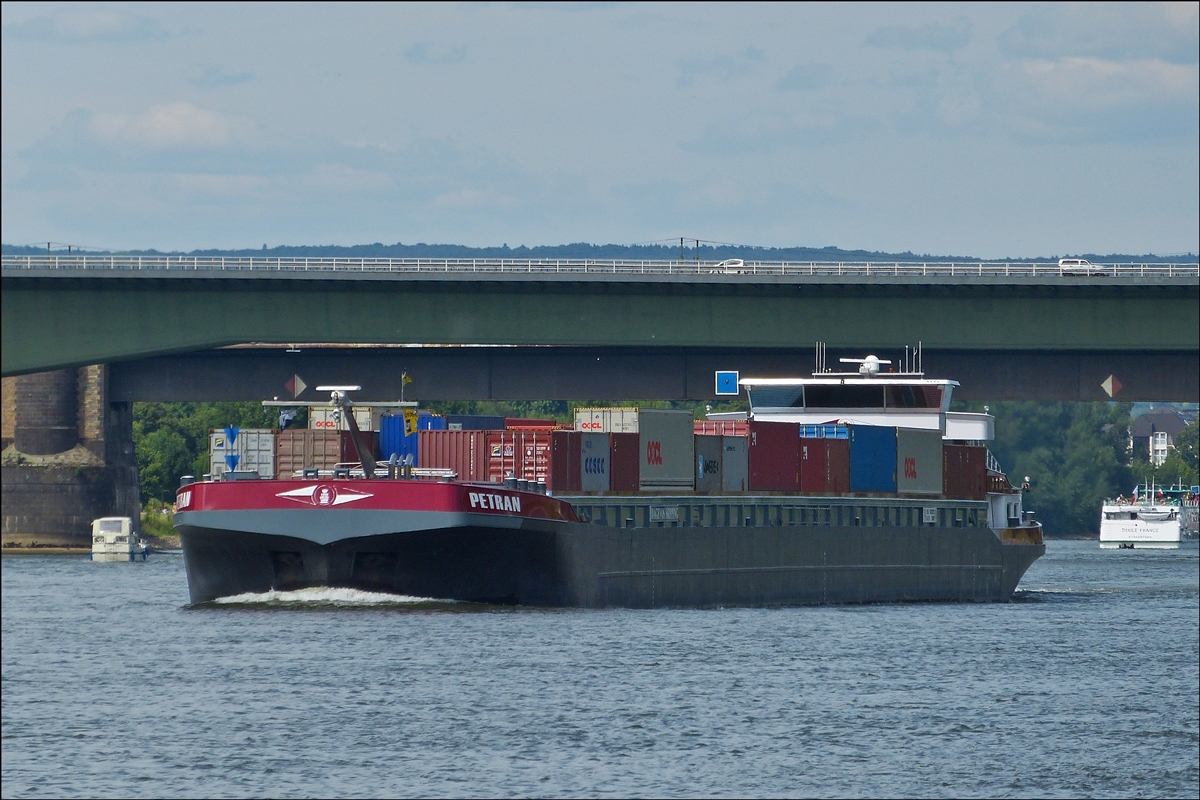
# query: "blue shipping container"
[[872, 459], [826, 431], [393, 440]]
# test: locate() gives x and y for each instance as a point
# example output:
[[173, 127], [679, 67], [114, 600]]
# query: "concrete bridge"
[[73, 311]]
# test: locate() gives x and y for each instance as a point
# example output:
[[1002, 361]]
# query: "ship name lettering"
[[498, 502]]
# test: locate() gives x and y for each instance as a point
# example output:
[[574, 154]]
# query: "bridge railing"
[[990, 269]]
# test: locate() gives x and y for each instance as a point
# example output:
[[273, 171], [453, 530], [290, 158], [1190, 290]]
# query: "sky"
[[997, 131]]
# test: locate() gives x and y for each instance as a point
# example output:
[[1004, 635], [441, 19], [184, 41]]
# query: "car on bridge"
[[1079, 266]]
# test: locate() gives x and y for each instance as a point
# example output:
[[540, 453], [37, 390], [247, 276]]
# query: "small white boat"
[[1156, 518], [113, 539]]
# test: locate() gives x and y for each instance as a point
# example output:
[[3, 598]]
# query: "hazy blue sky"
[[990, 130]]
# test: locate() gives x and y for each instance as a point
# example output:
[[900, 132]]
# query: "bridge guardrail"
[[981, 269]]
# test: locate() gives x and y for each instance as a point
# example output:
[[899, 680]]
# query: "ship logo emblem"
[[324, 495]]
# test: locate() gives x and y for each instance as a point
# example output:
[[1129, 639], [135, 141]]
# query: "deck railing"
[[564, 266]]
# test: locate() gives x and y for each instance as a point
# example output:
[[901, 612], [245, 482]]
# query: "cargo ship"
[[837, 488]]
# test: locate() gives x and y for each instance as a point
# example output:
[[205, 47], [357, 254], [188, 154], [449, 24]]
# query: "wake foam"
[[325, 595]]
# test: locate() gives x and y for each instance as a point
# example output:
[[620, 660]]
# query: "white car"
[[730, 266], [1078, 266]]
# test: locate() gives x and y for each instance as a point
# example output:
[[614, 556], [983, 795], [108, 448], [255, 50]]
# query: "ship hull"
[[554, 563]]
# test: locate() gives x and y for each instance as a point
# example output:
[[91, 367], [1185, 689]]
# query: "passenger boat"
[[395, 529], [1155, 517]]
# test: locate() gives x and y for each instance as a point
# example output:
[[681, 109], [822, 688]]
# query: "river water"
[[1088, 684]]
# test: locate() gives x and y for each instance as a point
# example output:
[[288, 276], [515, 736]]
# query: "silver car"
[[1079, 266]]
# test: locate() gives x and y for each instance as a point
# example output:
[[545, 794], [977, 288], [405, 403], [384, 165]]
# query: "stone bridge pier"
[[67, 457]]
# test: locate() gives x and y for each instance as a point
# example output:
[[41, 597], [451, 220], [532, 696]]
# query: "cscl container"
[[709, 457], [872, 459], [305, 448], [522, 454], [594, 459], [824, 465], [721, 427], [243, 450], [735, 469], [773, 453], [919, 461], [606, 420], [667, 455], [464, 452], [624, 461], [564, 474], [964, 471], [474, 422], [327, 418]]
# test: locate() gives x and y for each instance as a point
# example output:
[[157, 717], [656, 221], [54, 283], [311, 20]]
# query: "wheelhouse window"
[[845, 396]]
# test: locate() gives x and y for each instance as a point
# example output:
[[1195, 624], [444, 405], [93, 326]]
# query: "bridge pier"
[[67, 457]]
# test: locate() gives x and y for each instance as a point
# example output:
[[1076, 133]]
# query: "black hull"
[[571, 564]]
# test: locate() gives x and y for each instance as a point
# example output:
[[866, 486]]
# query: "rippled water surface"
[[1085, 685]]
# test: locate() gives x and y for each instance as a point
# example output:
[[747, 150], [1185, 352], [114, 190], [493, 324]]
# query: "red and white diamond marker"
[[295, 385], [322, 494], [1111, 386]]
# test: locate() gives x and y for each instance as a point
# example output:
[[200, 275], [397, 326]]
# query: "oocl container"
[[594, 460], [964, 471], [667, 449], [624, 461], [773, 453], [606, 420], [564, 474], [735, 470], [465, 452], [321, 418], [709, 457], [824, 465], [242, 449], [919, 460], [872, 459]]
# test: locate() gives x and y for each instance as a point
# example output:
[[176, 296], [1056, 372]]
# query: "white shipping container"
[[606, 420], [322, 418], [254, 449], [668, 449]]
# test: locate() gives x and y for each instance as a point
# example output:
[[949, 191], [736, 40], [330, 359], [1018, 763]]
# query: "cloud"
[[171, 126], [724, 68], [49, 177], [429, 53], [805, 77], [87, 25], [1116, 32], [214, 76], [940, 38]]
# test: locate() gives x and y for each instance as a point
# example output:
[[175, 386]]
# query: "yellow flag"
[[410, 421], [404, 379]]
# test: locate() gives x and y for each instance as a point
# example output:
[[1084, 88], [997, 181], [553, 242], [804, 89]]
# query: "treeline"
[[1075, 454], [708, 251]]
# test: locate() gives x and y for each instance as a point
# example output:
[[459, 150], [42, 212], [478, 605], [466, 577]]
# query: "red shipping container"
[[564, 473], [721, 427], [350, 453], [624, 461], [964, 471], [773, 453], [825, 465], [523, 454], [520, 422], [462, 451]]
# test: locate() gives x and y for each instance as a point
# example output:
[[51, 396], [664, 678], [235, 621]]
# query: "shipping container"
[[243, 450], [964, 471], [474, 422], [735, 468], [523, 422], [824, 465], [667, 449], [773, 455], [606, 420], [522, 454], [564, 474], [827, 430], [872, 459], [594, 459], [721, 427], [465, 452], [304, 448], [392, 438], [709, 455], [321, 418], [624, 461], [919, 461]]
